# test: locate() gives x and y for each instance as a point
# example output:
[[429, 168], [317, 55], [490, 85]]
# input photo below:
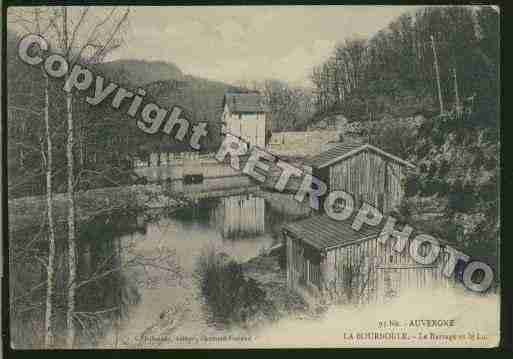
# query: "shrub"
[[488, 192], [230, 297], [426, 128], [491, 163], [461, 198], [431, 186], [423, 150], [403, 212], [437, 137], [432, 169], [444, 169], [395, 138]]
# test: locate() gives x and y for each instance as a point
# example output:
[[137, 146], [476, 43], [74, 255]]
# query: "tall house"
[[244, 115]]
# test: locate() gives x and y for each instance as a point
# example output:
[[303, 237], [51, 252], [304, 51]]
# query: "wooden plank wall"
[[301, 270], [292, 262], [348, 272], [366, 176], [371, 271]]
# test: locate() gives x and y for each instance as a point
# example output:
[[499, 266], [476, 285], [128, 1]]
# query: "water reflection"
[[240, 216], [103, 292], [135, 267]]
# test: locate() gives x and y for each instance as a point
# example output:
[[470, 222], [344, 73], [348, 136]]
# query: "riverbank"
[[29, 212], [265, 270], [253, 293]]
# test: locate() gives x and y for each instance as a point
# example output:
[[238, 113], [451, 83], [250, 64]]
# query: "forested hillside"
[[201, 99], [392, 74], [141, 72], [106, 139]]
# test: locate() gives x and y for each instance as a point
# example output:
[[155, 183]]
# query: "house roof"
[[348, 149], [322, 232], [245, 102]]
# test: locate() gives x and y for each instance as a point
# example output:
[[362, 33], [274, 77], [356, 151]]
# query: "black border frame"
[[505, 186]]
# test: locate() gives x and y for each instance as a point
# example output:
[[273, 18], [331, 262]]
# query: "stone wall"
[[301, 144]]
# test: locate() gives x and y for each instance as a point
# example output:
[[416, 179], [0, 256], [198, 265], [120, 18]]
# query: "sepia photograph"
[[206, 177]]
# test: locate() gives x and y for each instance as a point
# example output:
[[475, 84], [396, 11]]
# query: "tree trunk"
[[70, 326], [49, 335], [71, 227], [437, 72], [82, 149]]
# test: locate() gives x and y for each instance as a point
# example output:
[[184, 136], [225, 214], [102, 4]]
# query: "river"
[[133, 267]]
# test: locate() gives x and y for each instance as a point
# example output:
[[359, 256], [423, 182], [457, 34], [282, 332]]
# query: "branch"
[[24, 110], [41, 261], [53, 24], [136, 261], [92, 37], [77, 27], [33, 307], [101, 52], [28, 292], [100, 173], [97, 277], [39, 173], [21, 144], [99, 311]]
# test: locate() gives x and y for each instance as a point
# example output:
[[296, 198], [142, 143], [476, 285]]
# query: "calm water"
[[157, 253]]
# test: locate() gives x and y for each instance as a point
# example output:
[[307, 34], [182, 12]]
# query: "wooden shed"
[[331, 259], [363, 170]]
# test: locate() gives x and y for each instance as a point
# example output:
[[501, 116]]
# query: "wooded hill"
[[392, 74], [141, 72], [105, 138]]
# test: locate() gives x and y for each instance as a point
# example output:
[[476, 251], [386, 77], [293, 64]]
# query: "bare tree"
[[85, 36], [288, 104], [37, 20]]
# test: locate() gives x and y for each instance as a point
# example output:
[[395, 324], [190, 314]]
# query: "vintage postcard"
[[253, 176]]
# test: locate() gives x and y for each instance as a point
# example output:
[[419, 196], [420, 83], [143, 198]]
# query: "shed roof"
[[348, 149], [322, 232], [245, 102]]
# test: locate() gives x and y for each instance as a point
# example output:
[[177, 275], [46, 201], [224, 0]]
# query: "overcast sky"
[[232, 43]]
